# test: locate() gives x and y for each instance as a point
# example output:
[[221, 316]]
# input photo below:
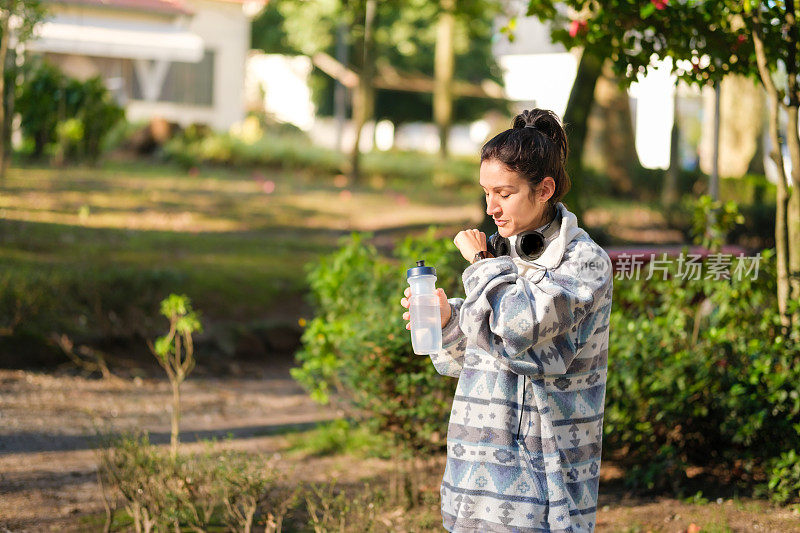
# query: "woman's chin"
[[504, 231]]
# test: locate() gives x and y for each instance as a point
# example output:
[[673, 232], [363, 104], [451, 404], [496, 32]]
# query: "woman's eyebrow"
[[499, 187]]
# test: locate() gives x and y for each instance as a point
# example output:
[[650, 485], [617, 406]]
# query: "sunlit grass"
[[236, 241]]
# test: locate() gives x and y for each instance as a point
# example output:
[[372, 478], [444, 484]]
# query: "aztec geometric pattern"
[[529, 346]]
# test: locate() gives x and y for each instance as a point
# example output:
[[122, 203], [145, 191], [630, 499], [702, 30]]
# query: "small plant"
[[331, 508], [784, 478], [175, 352], [228, 489], [696, 499], [712, 220], [135, 469]]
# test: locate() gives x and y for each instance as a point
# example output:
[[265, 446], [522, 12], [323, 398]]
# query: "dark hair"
[[535, 147]]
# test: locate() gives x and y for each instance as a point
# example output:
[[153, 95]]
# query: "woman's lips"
[[501, 223]]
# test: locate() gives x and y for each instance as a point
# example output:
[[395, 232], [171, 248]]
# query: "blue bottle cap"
[[420, 270]]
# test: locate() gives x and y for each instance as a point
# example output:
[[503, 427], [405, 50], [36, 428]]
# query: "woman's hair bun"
[[546, 122], [535, 147]]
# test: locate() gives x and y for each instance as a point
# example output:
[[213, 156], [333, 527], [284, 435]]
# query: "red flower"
[[660, 4], [576, 27]]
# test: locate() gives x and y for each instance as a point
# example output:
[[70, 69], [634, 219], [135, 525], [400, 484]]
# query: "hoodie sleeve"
[[450, 359], [536, 328]]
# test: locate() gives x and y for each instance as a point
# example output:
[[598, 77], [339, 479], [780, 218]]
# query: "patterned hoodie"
[[529, 346]]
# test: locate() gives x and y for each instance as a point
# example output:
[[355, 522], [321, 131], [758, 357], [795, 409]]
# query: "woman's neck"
[[547, 216]]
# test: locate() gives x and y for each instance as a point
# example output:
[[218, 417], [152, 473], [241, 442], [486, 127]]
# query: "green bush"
[[99, 113], [754, 230], [357, 347], [699, 371], [748, 189], [87, 305], [341, 436], [286, 151], [39, 102], [72, 116], [292, 151], [226, 489]]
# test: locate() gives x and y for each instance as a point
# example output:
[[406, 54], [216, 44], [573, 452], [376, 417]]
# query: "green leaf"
[[163, 347]]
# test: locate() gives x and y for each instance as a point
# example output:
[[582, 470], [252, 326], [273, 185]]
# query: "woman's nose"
[[492, 207]]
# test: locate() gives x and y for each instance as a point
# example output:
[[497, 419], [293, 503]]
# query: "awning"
[[115, 38]]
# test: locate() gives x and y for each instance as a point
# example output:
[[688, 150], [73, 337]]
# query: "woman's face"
[[514, 206]]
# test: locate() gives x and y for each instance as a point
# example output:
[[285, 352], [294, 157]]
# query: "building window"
[[184, 83], [190, 83]]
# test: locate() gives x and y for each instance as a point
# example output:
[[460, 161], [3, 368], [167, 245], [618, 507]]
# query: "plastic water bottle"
[[426, 318]]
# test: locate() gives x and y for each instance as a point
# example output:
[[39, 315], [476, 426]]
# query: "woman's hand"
[[470, 242], [444, 306]]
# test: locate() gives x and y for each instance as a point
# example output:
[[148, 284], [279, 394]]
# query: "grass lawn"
[[91, 251], [235, 242]]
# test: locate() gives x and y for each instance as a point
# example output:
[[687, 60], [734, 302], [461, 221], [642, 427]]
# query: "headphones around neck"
[[529, 244]]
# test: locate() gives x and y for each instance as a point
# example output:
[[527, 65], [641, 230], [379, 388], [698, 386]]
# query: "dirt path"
[[47, 425], [48, 468]]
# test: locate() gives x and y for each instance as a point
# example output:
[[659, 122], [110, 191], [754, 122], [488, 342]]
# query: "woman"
[[529, 347]]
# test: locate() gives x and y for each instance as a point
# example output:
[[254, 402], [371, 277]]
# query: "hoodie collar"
[[557, 237]]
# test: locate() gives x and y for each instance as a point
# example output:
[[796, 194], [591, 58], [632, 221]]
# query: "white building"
[[182, 60]]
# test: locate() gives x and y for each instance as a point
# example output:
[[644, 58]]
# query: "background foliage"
[[698, 374], [405, 38], [64, 113], [357, 350]]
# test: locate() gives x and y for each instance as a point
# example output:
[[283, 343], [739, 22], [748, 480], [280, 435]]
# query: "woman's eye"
[[505, 195]]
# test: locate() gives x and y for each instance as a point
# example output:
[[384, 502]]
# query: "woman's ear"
[[547, 188]]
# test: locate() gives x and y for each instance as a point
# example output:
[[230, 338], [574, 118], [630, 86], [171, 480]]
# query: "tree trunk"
[[756, 165], [4, 40], [9, 113], [444, 65], [793, 140], [340, 91], [610, 140], [781, 234], [176, 418], [669, 193], [781, 204], [793, 211], [575, 121], [363, 96]]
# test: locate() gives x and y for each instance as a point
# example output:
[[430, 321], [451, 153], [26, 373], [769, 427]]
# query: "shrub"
[[357, 348], [99, 113], [89, 305], [291, 151], [58, 110], [39, 102], [227, 489], [699, 372]]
